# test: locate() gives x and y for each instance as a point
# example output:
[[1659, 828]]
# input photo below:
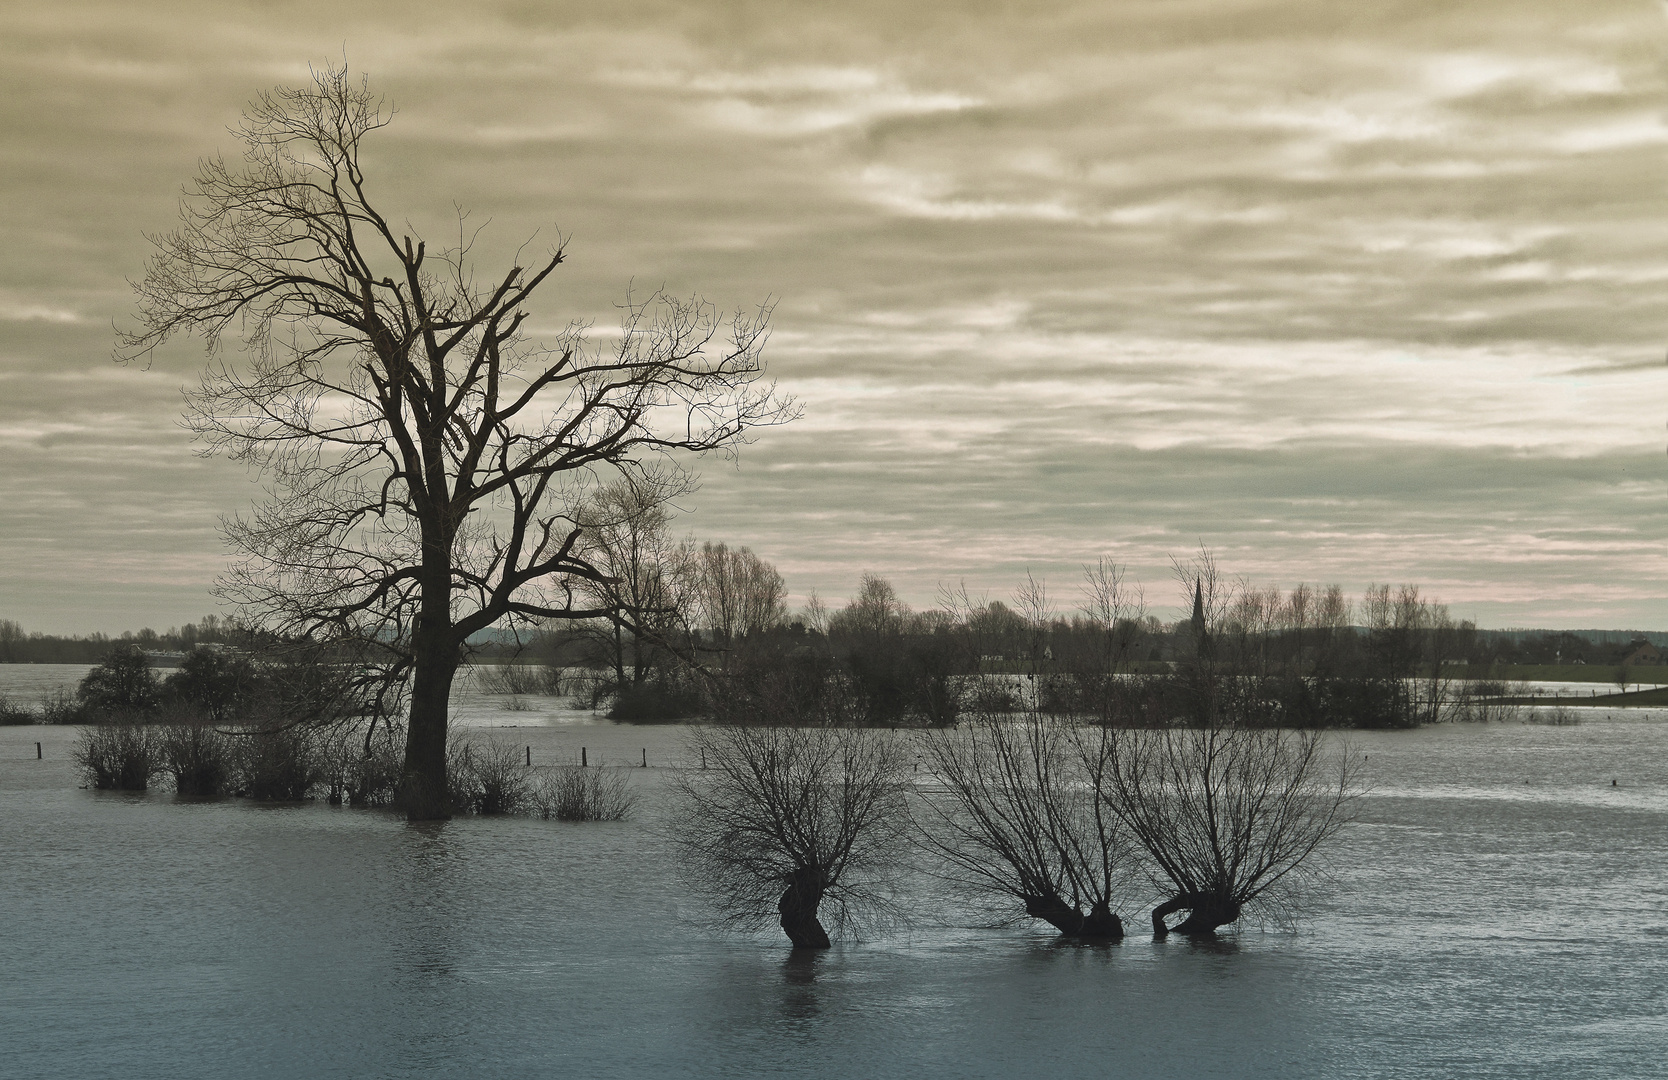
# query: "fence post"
[[529, 757], [582, 762], [645, 757], [37, 751]]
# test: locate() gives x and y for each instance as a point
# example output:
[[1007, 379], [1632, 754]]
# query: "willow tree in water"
[[427, 461], [1230, 816]]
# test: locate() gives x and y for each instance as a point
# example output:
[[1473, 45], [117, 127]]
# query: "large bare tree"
[[426, 460]]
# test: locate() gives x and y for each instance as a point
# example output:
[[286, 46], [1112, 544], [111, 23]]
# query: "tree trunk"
[[423, 790], [798, 908], [1205, 912], [1101, 923]]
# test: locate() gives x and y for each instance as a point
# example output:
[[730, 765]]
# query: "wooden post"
[[37, 751], [582, 762], [703, 757], [529, 757], [645, 757]]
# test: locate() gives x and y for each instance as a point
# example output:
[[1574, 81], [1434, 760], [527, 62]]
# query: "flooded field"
[[1499, 910]]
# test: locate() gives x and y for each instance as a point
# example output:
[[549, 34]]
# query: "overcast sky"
[[1349, 292]]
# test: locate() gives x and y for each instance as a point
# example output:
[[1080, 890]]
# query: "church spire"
[[1201, 639]]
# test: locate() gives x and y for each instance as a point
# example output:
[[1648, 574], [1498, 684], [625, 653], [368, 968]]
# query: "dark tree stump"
[[798, 908], [1101, 923], [1205, 913]]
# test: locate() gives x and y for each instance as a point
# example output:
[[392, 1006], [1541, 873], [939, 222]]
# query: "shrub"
[[277, 764], [519, 679], [118, 756], [198, 757], [12, 714], [994, 694], [654, 703], [1557, 716], [573, 793], [62, 707], [487, 779], [361, 771]]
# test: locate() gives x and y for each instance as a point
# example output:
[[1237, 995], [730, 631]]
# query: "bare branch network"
[[427, 462]]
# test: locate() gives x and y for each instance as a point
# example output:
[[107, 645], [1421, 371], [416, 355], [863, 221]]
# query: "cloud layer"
[[1348, 294]]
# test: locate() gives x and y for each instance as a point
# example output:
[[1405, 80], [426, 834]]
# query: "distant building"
[[1643, 653]]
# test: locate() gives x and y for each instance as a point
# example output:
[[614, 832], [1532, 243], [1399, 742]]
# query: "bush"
[[487, 779], [11, 714], [1556, 716], [62, 707], [198, 757], [519, 679], [654, 703], [119, 756], [277, 765], [361, 772], [573, 793], [992, 694]]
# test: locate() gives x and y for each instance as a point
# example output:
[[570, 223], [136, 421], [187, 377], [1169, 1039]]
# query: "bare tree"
[[627, 537], [1229, 815], [789, 822], [730, 594], [1021, 815], [425, 458]]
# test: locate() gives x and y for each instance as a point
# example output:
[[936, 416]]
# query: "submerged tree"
[[1021, 815], [1229, 815], [426, 460], [795, 824]]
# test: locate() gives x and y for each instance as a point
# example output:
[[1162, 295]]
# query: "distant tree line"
[[702, 629], [18, 646]]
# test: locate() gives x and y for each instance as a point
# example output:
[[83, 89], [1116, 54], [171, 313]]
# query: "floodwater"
[[1499, 910]]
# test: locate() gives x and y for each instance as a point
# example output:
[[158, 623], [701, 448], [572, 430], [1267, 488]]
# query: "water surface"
[[1497, 912]]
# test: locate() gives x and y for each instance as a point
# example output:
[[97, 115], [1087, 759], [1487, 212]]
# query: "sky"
[[1353, 293]]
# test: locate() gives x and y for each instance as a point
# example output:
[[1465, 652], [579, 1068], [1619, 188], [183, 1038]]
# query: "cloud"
[[1351, 294], [15, 309]]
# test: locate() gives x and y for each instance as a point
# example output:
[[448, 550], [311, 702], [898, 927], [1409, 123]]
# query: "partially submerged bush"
[[1484, 701], [12, 714], [519, 679], [117, 756], [199, 757], [276, 764], [62, 707], [487, 778], [575, 793], [1559, 715], [216, 682], [654, 702], [363, 768]]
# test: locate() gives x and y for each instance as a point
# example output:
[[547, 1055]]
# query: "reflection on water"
[[425, 917], [1476, 926], [799, 989]]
